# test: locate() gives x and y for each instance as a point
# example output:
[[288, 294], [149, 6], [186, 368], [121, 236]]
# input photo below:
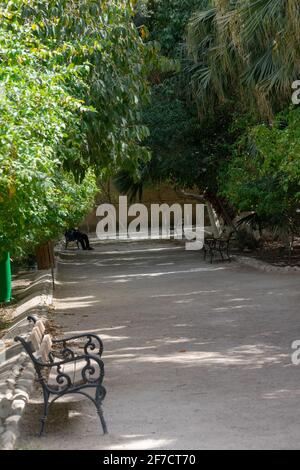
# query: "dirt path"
[[197, 356]]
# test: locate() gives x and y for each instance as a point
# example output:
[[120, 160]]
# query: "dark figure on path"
[[75, 235]]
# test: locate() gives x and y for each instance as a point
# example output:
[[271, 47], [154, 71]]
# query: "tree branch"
[[198, 197]]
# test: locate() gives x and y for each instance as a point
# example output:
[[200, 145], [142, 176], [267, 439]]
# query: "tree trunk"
[[216, 208], [222, 208], [214, 220], [45, 256]]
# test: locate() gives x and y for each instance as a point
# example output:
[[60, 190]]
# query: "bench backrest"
[[38, 345], [61, 368], [71, 236]]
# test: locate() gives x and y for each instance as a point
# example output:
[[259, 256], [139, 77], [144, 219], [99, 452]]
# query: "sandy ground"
[[197, 356]]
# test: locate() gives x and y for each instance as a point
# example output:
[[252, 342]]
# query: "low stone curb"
[[261, 265], [266, 267], [17, 372], [14, 395]]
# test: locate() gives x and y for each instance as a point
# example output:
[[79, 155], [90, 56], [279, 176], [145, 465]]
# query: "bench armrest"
[[92, 371], [93, 345], [86, 357]]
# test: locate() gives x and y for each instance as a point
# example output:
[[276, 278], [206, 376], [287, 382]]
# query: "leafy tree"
[[264, 174], [185, 153], [71, 86], [101, 37], [167, 20], [244, 54], [240, 60], [38, 119], [245, 51]]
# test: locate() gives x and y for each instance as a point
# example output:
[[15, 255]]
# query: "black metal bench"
[[71, 238], [61, 370], [221, 245]]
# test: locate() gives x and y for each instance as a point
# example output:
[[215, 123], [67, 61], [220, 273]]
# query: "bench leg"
[[100, 394], [228, 254], [45, 412], [220, 251], [211, 251], [102, 420]]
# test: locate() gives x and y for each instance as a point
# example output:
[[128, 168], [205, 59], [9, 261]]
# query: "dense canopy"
[[72, 79], [75, 106]]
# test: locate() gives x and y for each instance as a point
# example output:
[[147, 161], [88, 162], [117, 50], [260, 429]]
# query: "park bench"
[[62, 368], [70, 238], [221, 245]]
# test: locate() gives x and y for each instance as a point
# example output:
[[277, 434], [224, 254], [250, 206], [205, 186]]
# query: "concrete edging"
[[17, 372], [263, 266], [14, 395]]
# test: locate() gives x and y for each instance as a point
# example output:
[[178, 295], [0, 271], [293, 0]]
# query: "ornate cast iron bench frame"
[[70, 239], [91, 364], [220, 244]]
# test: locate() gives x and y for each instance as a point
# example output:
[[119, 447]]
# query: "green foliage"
[[238, 59], [246, 51], [174, 128], [101, 38], [167, 21], [71, 87], [184, 153], [264, 174]]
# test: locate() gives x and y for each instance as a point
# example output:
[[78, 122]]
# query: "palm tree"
[[245, 49]]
